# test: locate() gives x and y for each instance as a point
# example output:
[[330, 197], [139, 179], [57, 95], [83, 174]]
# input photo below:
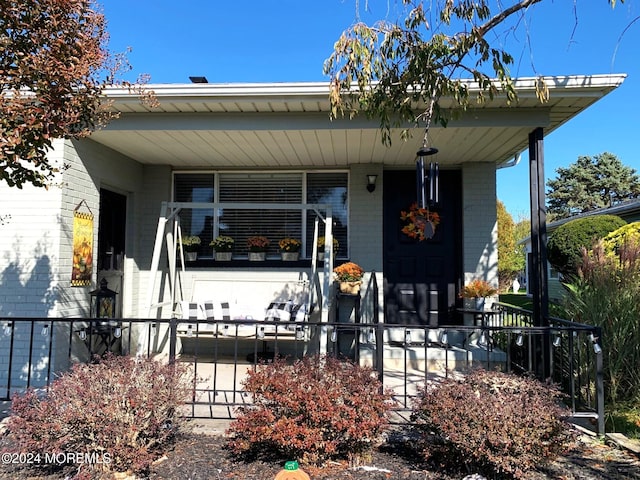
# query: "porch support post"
[[539, 286], [327, 272]]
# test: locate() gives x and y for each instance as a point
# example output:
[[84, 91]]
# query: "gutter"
[[510, 163]]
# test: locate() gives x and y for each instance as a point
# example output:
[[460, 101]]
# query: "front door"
[[111, 242], [420, 277]]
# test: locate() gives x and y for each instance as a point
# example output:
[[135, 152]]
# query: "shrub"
[[627, 234], [607, 294], [564, 248], [316, 409], [118, 412], [497, 423]]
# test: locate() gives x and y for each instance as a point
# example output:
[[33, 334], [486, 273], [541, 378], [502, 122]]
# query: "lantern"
[[103, 301], [292, 472]]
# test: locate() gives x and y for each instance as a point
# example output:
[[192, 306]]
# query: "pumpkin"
[[292, 472]]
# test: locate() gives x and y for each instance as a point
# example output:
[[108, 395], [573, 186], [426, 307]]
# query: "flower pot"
[[191, 256], [290, 256], [321, 256], [223, 256], [479, 303], [351, 288], [257, 256]]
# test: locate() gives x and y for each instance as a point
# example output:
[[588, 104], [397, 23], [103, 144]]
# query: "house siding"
[[30, 246], [480, 229], [29, 273]]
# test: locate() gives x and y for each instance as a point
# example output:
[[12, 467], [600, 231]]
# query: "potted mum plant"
[[290, 249], [320, 244], [478, 290], [257, 245], [190, 245], [222, 246], [349, 275]]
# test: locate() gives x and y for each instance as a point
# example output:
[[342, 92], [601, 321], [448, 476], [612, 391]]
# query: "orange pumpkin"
[[292, 472]]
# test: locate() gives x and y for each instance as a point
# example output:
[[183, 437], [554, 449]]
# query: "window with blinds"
[[331, 189], [262, 189]]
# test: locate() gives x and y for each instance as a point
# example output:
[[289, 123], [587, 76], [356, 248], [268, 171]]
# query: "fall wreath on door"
[[419, 223]]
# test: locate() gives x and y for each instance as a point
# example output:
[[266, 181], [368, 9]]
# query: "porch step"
[[435, 357]]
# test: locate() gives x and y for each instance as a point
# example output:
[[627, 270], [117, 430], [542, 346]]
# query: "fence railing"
[[33, 351]]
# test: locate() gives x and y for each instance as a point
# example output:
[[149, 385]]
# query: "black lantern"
[[103, 301]]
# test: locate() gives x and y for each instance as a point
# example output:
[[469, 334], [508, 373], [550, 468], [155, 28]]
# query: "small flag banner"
[[82, 269]]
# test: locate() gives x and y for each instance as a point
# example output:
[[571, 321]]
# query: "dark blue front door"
[[421, 277]]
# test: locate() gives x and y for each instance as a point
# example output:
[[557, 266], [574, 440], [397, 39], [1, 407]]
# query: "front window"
[[260, 190], [196, 187]]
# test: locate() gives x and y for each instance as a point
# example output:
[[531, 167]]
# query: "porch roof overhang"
[[287, 125]]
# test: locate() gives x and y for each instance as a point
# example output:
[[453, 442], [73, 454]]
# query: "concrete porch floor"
[[219, 383]]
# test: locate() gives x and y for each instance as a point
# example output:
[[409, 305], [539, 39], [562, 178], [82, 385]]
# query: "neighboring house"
[[628, 211], [262, 144]]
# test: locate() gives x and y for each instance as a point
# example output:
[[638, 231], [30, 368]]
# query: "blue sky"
[[288, 41]]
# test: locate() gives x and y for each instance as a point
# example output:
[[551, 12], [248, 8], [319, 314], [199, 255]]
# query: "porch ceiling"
[[287, 126]]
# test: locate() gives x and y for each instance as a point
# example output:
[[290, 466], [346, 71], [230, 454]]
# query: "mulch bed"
[[197, 456]]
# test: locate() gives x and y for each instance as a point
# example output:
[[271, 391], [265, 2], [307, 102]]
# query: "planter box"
[[223, 256], [257, 256]]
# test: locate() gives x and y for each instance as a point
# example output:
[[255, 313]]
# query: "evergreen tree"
[[589, 184]]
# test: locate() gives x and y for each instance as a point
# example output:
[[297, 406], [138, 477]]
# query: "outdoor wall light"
[[45, 330], [371, 182], [82, 334]]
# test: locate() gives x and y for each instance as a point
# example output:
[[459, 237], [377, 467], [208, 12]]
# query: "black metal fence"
[[33, 351]]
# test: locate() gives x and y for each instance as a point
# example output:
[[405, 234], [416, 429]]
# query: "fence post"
[[379, 330], [173, 334], [600, 384]]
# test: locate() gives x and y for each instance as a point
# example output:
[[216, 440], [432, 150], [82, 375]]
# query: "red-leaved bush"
[[117, 412], [315, 409], [495, 423]]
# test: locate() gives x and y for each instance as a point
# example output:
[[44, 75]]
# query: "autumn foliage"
[[54, 65], [121, 411], [497, 423], [313, 410]]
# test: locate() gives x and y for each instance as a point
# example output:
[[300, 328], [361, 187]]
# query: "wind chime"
[[428, 192], [420, 221]]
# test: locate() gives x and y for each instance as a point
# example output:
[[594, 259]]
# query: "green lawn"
[[520, 300]]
